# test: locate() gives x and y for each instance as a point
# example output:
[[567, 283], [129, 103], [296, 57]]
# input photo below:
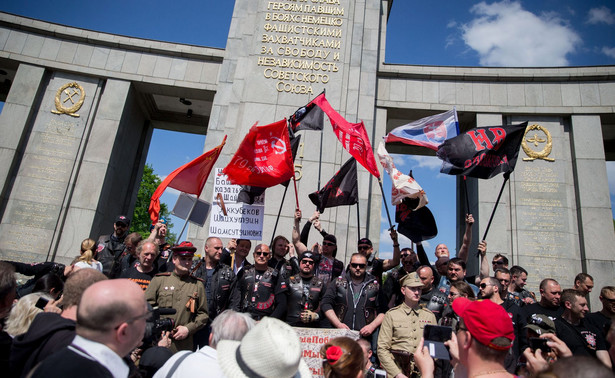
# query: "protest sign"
[[241, 221], [312, 339]]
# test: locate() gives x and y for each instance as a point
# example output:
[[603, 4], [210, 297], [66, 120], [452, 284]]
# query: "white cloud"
[[602, 15], [609, 51], [504, 34], [429, 162], [451, 24]]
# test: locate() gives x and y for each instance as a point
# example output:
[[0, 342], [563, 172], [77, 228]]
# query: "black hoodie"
[[48, 333]]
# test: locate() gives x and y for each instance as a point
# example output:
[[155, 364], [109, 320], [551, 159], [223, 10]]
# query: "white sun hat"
[[270, 349]]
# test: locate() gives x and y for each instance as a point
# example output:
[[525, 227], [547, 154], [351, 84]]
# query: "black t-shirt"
[[583, 339], [601, 322], [536, 308], [142, 279]]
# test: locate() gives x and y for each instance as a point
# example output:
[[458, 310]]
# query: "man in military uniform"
[[260, 290], [182, 292], [219, 281], [304, 293], [402, 328]]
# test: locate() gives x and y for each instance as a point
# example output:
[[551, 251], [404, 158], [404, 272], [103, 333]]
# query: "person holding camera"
[[182, 292]]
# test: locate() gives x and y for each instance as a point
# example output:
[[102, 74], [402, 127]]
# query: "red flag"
[[189, 178], [263, 158], [352, 136]]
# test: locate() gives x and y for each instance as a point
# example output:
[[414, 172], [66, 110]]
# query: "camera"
[[154, 325]]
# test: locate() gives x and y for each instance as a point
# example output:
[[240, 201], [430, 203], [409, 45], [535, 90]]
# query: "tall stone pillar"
[[279, 55], [593, 203]]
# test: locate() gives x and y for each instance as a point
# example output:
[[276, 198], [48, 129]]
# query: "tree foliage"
[[141, 221]]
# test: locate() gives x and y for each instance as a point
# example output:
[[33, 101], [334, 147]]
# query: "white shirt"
[[203, 362], [95, 265], [102, 354]]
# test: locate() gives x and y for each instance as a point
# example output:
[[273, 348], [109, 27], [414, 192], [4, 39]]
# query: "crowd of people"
[[141, 307]]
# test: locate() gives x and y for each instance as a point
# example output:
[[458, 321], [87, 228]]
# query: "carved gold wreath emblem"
[[66, 96], [537, 140]]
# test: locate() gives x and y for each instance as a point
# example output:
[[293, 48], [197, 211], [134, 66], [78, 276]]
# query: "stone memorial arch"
[[80, 107]]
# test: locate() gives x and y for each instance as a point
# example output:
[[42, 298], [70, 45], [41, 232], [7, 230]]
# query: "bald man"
[[110, 324]]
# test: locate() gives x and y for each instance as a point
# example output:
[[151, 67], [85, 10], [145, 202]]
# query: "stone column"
[[593, 203], [279, 55]]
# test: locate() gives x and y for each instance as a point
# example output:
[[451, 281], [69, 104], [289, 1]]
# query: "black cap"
[[365, 241], [306, 255], [330, 238], [122, 219]]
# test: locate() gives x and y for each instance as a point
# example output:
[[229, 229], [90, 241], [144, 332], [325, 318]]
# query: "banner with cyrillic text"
[[312, 339], [241, 221]]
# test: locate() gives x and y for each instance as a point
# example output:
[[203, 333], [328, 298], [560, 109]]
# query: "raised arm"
[[484, 263], [392, 263], [299, 246], [467, 239]]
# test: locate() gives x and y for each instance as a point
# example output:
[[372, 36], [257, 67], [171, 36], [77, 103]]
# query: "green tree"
[[141, 221]]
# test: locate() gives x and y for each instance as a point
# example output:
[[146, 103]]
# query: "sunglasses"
[[404, 255], [259, 253], [363, 247], [120, 224], [499, 262], [484, 285], [307, 262], [328, 244], [358, 266]]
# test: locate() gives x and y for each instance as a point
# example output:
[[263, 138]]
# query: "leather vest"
[[369, 298], [221, 285], [297, 301], [259, 295]]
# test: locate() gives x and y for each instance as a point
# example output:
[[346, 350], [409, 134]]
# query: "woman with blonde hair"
[[342, 358], [88, 253], [23, 314]]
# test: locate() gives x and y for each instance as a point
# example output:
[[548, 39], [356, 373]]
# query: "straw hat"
[[270, 349]]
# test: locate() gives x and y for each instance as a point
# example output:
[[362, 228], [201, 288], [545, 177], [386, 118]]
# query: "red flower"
[[334, 353]]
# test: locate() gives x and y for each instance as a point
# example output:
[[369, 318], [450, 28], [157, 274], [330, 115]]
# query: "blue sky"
[[451, 33]]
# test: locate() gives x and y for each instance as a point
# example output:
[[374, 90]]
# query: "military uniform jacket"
[[222, 284], [168, 290], [401, 329]]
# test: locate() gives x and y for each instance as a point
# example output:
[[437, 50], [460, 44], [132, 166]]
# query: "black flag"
[[309, 117], [416, 225], [482, 152], [340, 190]]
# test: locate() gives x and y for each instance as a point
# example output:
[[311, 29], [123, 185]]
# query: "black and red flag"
[[341, 190], [417, 225], [482, 152], [308, 117]]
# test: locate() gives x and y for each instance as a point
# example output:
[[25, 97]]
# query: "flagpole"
[[320, 157], [196, 199], [465, 188], [278, 218], [506, 177], [385, 204], [296, 192], [358, 220]]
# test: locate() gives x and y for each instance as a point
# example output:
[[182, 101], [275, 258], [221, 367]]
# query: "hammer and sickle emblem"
[[536, 140], [278, 145], [69, 99]]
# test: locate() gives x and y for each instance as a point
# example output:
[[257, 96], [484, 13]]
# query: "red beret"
[[485, 320]]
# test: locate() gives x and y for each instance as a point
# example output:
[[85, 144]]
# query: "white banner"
[[241, 221], [312, 339]]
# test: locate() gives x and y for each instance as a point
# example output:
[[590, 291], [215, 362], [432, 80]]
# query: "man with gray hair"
[[229, 325], [110, 324]]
